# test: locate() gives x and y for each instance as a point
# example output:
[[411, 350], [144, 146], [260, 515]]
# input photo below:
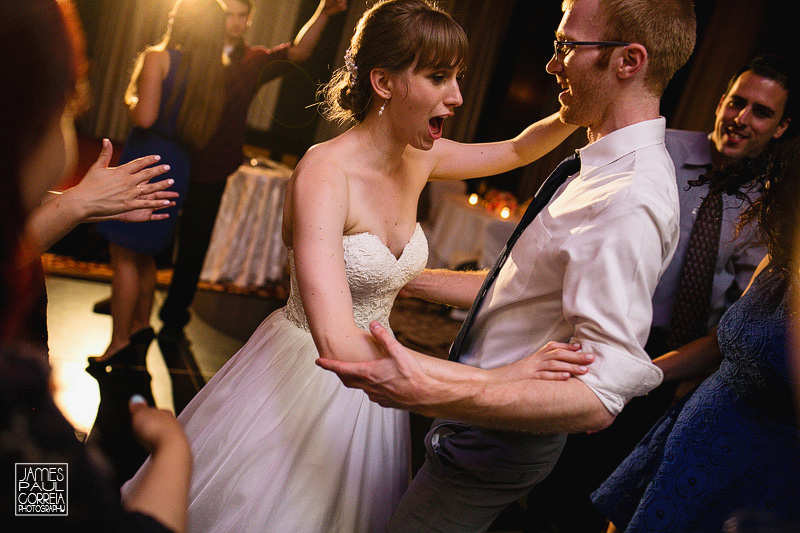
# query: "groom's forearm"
[[499, 400], [510, 397]]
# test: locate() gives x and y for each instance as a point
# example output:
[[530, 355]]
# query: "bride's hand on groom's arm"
[[555, 360]]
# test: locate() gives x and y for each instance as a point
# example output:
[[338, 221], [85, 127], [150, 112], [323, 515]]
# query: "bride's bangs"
[[442, 43]]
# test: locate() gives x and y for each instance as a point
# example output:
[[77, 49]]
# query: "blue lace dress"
[[729, 447]]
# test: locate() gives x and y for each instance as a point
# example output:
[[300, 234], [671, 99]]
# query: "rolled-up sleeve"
[[616, 376], [608, 288]]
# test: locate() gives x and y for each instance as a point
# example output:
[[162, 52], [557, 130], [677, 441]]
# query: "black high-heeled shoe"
[[133, 353], [140, 341], [125, 355]]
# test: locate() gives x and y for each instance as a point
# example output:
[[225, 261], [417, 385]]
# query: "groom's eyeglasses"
[[562, 48]]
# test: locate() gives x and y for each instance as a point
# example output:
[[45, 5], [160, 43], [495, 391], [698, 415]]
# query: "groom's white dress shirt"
[[586, 268]]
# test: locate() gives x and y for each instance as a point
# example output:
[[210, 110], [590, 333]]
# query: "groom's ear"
[[382, 83]]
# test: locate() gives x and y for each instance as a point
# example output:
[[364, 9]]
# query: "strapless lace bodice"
[[374, 274]]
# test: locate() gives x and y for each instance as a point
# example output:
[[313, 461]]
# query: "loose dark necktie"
[[569, 166], [693, 302]]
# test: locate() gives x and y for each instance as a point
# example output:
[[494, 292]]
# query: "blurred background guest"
[[175, 99], [249, 68]]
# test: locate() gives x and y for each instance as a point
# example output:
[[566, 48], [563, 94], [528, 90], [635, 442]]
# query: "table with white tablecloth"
[[464, 233], [246, 246]]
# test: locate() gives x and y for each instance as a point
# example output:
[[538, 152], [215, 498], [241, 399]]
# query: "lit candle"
[[473, 199], [505, 212]]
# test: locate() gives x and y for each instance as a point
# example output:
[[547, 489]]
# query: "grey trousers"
[[470, 475]]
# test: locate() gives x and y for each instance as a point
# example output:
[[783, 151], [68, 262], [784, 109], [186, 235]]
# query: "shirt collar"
[[623, 141]]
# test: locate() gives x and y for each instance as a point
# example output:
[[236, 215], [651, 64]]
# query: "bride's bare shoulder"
[[320, 173], [331, 153], [329, 160], [318, 185]]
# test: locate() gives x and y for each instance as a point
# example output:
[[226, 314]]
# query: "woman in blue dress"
[[729, 450], [175, 99]]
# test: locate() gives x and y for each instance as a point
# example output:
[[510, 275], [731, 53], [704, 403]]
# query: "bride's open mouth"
[[435, 127]]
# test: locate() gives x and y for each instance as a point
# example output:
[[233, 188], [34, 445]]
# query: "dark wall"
[[521, 92], [89, 12], [296, 115]]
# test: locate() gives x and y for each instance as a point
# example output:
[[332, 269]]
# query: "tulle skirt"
[[281, 445]]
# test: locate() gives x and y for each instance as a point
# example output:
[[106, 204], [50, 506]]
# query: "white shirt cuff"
[[616, 376]]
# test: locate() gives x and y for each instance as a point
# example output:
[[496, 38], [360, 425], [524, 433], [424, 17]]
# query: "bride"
[[280, 444]]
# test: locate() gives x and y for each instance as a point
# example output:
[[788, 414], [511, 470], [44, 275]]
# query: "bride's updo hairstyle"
[[392, 35]]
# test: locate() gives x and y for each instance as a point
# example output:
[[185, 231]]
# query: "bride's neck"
[[379, 147]]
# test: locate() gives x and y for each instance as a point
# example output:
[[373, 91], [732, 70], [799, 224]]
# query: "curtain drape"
[[728, 42]]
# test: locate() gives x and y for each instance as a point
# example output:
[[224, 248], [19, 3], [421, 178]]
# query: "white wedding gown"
[[279, 444]]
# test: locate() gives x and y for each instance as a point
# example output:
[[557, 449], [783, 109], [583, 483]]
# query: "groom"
[[583, 270]]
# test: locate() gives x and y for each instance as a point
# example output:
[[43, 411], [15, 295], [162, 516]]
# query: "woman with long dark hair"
[[732, 445]]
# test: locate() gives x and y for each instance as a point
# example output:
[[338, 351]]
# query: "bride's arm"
[[456, 288], [452, 160], [318, 207]]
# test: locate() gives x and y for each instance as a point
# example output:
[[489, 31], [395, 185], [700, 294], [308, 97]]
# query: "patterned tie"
[[693, 301], [569, 166]]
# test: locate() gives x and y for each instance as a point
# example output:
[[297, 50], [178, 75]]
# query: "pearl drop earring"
[[380, 111]]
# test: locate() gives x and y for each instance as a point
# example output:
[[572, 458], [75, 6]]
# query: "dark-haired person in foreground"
[[39, 150]]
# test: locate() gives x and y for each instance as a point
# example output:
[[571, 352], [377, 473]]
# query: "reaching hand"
[[154, 428], [162, 488], [124, 192], [396, 380], [332, 7]]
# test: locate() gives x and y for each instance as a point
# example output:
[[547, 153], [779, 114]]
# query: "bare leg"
[[126, 293], [146, 266]]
